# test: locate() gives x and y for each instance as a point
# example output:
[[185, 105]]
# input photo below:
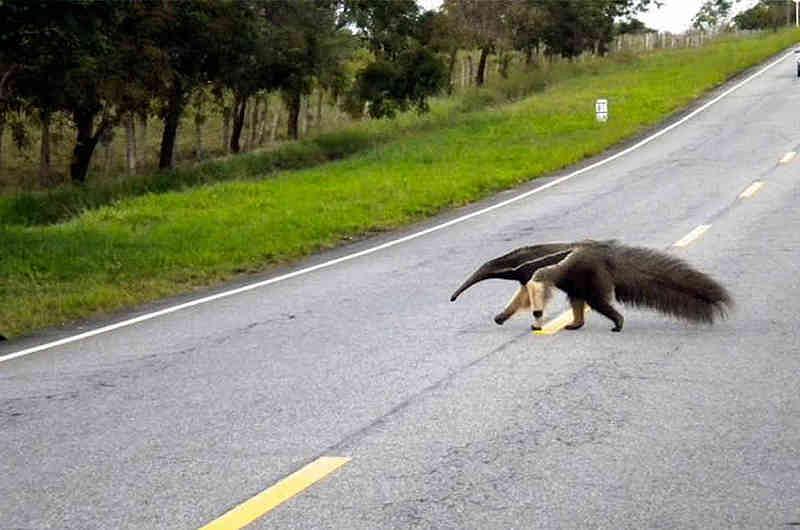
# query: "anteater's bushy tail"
[[644, 277]]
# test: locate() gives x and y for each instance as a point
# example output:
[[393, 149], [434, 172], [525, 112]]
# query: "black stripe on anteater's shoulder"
[[666, 283]]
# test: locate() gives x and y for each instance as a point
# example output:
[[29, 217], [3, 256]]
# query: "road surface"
[[448, 420]]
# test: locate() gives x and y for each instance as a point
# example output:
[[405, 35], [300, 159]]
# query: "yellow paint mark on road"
[[257, 506], [559, 323], [686, 240], [788, 157], [751, 190]]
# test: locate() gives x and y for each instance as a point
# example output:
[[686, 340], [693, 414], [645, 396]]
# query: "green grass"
[[157, 244], [65, 202]]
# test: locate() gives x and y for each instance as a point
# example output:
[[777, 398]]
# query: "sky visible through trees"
[[674, 16]]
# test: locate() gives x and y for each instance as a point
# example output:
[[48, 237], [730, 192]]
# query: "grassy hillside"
[[153, 245]]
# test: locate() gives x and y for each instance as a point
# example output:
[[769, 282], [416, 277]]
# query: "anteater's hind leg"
[[603, 307], [578, 309]]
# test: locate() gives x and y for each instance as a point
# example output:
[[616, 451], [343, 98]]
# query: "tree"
[[763, 15], [405, 69], [313, 44], [527, 22], [391, 86], [64, 59], [633, 25], [174, 43], [483, 25], [387, 27], [712, 14], [246, 57], [575, 27], [438, 33]]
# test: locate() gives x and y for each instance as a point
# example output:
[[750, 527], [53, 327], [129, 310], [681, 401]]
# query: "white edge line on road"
[[751, 189], [516, 198], [691, 236], [788, 157]]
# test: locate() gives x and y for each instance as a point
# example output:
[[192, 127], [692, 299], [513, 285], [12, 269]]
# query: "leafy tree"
[[712, 14], [527, 22], [386, 26], [245, 58], [438, 33], [483, 26], [176, 42], [405, 71], [575, 27], [314, 47], [763, 15], [633, 25], [392, 86], [63, 58]]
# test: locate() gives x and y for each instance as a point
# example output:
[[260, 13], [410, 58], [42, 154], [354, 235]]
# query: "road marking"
[[686, 240], [751, 190], [788, 157], [371, 250], [257, 506], [560, 322]]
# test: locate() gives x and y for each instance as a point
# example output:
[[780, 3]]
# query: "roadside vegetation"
[[140, 248]]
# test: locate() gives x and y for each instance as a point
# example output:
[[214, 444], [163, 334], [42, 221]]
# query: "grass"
[[142, 248], [65, 202]]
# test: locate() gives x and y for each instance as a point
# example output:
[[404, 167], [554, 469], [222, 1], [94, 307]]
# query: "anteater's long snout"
[[481, 274]]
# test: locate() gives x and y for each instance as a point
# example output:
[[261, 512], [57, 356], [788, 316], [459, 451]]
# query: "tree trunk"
[[44, 150], [451, 66], [2, 134], [503, 62], [307, 115], [142, 142], [528, 55], [262, 125], [293, 106], [254, 115], [318, 116], [172, 116], [130, 144], [226, 127], [174, 158], [239, 108], [480, 77], [199, 152], [107, 146], [84, 145], [273, 132]]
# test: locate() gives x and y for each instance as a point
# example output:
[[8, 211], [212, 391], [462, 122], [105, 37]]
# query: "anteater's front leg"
[[539, 294], [521, 300]]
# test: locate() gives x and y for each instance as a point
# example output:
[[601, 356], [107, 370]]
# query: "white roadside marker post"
[[601, 109], [797, 13]]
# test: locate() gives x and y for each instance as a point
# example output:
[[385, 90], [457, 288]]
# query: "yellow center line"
[[560, 322], [751, 190], [257, 506], [788, 157], [686, 240]]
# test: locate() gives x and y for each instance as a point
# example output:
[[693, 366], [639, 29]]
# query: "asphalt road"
[[449, 420]]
